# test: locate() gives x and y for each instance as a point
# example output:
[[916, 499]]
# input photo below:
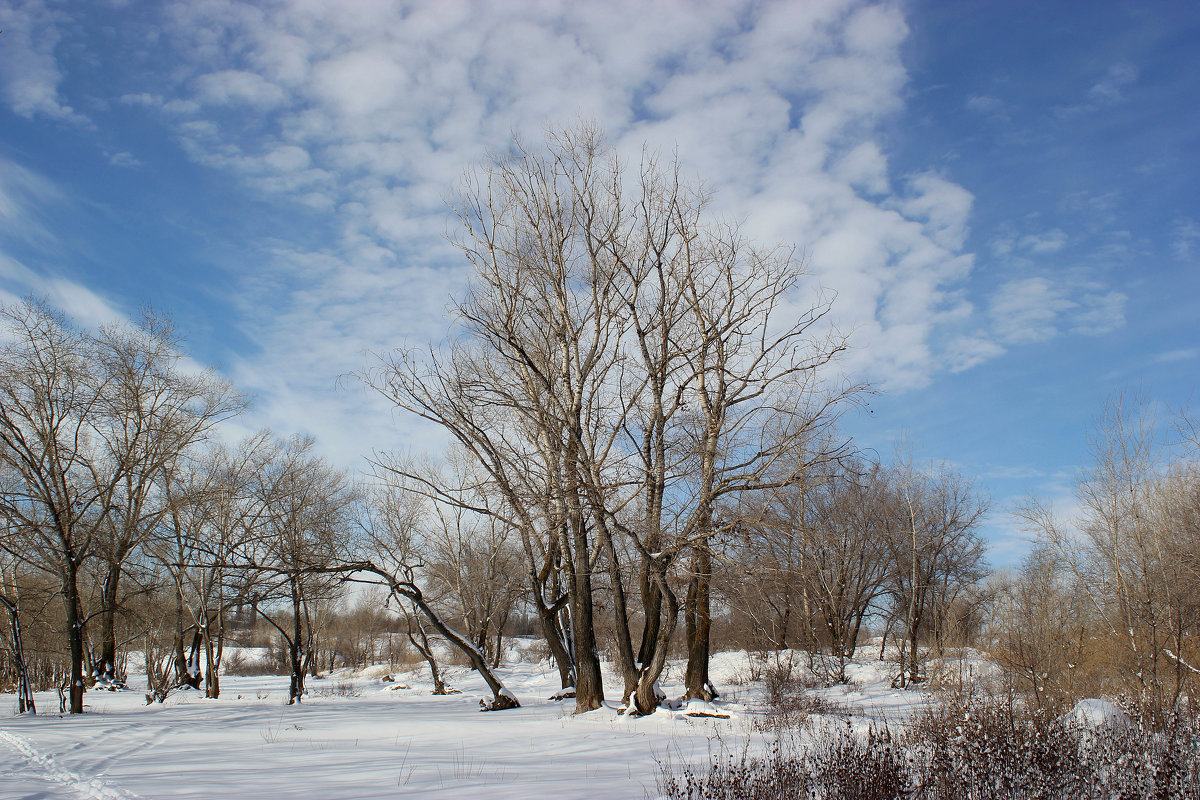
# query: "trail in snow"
[[47, 767]]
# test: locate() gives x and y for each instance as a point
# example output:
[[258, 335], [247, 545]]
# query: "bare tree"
[[829, 535], [210, 516], [517, 396], [395, 516], [158, 409], [1042, 628], [936, 551], [473, 556], [626, 366], [301, 518], [1132, 549], [59, 478]]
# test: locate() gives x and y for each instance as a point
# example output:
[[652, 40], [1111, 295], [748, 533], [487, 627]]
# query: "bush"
[[841, 766], [790, 699], [967, 748], [984, 747]]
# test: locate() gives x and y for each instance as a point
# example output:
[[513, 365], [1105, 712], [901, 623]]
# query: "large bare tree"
[[624, 365], [59, 477], [159, 409]]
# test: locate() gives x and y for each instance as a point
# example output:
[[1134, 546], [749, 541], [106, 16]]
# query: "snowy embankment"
[[359, 736]]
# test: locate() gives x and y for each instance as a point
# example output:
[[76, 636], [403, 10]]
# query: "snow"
[[700, 708], [1095, 713], [356, 736]]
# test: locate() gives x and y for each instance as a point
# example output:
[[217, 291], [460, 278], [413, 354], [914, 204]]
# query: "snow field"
[[356, 736]]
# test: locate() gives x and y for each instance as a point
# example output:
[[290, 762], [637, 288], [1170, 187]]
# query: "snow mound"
[[699, 708], [1095, 713]]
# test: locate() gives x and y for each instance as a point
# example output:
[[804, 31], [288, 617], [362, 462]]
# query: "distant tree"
[[936, 550], [210, 511], [1132, 550], [1042, 628], [395, 517], [10, 601], [300, 523], [473, 557]]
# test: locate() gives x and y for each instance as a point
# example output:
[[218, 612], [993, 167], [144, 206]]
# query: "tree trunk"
[[191, 670], [552, 633], [652, 608], [104, 669], [589, 688], [24, 689], [182, 675], [648, 695], [74, 632], [212, 660], [422, 647], [295, 660], [699, 626], [625, 660], [913, 667], [501, 697]]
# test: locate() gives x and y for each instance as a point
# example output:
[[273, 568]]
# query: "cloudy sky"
[[1003, 195]]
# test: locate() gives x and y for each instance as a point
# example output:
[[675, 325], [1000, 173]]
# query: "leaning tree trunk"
[[24, 689], [648, 695], [501, 697]]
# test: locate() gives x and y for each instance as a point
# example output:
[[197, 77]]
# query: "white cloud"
[[236, 87], [27, 201], [84, 306], [29, 72], [1185, 235], [371, 114], [864, 168], [778, 107], [1175, 356], [124, 159], [943, 205], [1109, 90], [1045, 242], [1036, 309], [986, 104], [966, 352], [1098, 312]]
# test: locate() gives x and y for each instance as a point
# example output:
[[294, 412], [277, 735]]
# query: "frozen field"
[[359, 737]]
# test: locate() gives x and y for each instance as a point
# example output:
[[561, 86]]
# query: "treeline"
[[1108, 601], [642, 408], [129, 525]]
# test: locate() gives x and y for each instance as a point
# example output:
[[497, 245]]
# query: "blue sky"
[[1002, 194]]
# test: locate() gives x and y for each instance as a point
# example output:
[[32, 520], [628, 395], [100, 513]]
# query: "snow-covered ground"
[[356, 736]]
